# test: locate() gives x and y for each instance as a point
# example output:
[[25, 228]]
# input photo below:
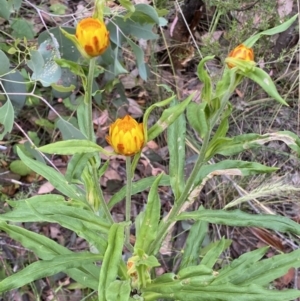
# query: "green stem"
[[100, 196], [128, 199], [88, 100], [88, 123], [187, 189], [164, 225]]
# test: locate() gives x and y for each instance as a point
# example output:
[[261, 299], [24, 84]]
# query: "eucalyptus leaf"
[[7, 117], [4, 61], [5, 9], [14, 82]]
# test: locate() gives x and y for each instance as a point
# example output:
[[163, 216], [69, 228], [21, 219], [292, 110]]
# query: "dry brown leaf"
[[102, 119], [134, 108], [110, 174], [284, 7], [268, 238]]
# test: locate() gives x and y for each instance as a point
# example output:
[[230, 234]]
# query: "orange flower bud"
[[241, 52], [126, 136], [92, 36]]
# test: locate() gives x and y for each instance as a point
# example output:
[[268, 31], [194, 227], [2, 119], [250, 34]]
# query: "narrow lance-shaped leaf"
[[264, 80], [176, 143], [197, 118], [270, 32], [150, 109], [111, 260], [119, 290], [167, 118], [71, 147], [213, 254], [47, 249], [46, 268], [239, 265], [232, 167], [137, 187], [193, 244], [147, 230], [204, 77], [224, 292], [242, 219], [54, 177]]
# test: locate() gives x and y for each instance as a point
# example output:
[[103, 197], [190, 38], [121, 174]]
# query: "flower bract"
[[92, 36], [126, 136], [241, 52]]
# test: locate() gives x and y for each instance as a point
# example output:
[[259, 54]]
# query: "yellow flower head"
[[92, 36], [126, 136], [241, 52]]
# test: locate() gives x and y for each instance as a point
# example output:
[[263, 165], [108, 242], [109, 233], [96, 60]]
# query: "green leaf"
[[40, 269], [7, 117], [22, 29], [19, 168], [239, 266], [242, 219], [47, 249], [111, 260], [270, 32], [224, 292], [193, 243], [14, 83], [197, 117], [211, 257], [176, 143], [137, 187], [76, 165], [58, 8], [47, 207], [4, 61], [5, 9], [264, 80], [147, 230], [232, 167], [118, 291], [54, 177], [71, 147], [235, 145], [70, 215], [167, 118], [120, 28], [194, 271], [127, 4], [150, 109], [267, 270], [145, 13], [43, 64], [139, 54], [69, 131], [204, 77], [67, 48]]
